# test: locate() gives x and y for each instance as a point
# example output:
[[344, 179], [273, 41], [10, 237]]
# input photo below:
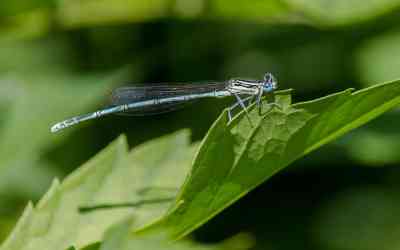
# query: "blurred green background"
[[60, 58]]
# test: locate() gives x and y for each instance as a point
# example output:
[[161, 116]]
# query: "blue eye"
[[268, 87], [270, 83]]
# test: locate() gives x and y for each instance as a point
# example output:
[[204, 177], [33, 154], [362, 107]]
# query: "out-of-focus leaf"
[[94, 12], [342, 12], [34, 184], [120, 237], [316, 12], [15, 7], [365, 218], [373, 148], [37, 88], [39, 57], [94, 246], [78, 13], [36, 103], [25, 26], [7, 223], [39, 103], [378, 60], [112, 177], [237, 157], [260, 10], [326, 13]]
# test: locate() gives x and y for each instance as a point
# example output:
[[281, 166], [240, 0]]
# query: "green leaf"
[[27, 105], [112, 177], [375, 147], [360, 218], [26, 26], [9, 8], [260, 10], [378, 59], [23, 88], [237, 157], [34, 95], [120, 237], [342, 12], [316, 12], [76, 13]]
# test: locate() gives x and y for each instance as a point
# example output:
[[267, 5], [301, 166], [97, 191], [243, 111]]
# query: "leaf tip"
[[49, 194]]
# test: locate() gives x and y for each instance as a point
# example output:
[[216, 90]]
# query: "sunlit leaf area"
[[313, 166]]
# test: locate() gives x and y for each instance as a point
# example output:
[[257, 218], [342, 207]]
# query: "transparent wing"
[[127, 95]]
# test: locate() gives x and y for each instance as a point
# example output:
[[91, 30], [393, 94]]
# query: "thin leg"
[[247, 99], [229, 114], [240, 103], [259, 96], [236, 104]]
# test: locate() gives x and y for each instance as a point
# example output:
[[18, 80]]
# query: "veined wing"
[[127, 95]]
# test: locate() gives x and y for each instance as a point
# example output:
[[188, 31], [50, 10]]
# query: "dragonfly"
[[156, 99]]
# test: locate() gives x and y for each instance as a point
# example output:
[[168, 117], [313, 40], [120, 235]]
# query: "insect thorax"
[[245, 86]]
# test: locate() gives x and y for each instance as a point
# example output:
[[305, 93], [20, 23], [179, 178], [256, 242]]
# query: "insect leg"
[[236, 104]]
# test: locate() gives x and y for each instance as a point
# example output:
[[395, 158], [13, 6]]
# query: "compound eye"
[[269, 78], [270, 82]]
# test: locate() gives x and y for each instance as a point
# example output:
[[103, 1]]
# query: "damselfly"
[[154, 99]]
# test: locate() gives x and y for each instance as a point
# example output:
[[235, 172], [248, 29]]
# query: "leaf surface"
[[113, 176], [236, 158]]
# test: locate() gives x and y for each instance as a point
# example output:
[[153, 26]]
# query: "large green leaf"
[[233, 159], [112, 177], [237, 157]]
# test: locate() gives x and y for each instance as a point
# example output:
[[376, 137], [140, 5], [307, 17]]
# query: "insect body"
[[148, 100]]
